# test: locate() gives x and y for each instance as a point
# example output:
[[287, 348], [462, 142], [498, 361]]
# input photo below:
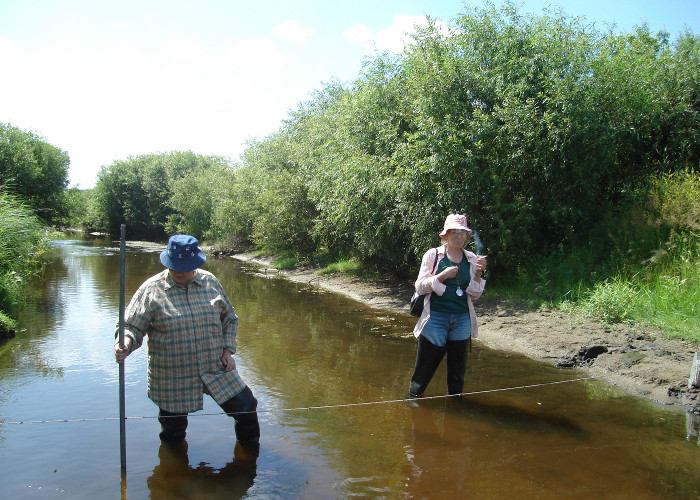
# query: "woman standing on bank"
[[450, 280]]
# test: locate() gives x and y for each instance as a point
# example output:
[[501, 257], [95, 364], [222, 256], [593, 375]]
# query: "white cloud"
[[106, 106], [255, 55], [392, 39], [187, 51], [10, 51], [293, 32], [359, 34], [398, 35]]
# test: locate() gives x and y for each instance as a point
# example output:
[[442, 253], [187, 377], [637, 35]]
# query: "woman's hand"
[[119, 353], [228, 361], [448, 273], [480, 266]]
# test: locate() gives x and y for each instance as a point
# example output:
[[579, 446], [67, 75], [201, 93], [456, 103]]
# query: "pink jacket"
[[427, 282]]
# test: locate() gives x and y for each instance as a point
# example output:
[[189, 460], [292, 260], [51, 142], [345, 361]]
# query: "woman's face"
[[457, 237]]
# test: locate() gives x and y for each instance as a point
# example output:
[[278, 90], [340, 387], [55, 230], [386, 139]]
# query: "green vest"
[[450, 302]]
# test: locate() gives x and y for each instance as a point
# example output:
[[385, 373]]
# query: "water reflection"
[[301, 347], [174, 477], [437, 438], [692, 425]]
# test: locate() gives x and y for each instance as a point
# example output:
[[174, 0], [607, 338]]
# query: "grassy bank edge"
[[615, 300]]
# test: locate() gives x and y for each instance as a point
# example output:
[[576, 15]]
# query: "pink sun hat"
[[455, 221]]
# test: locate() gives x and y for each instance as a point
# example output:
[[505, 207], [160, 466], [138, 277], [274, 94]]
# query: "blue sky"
[[104, 80]]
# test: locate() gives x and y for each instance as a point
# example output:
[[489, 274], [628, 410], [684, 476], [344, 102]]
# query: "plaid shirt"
[[188, 330]]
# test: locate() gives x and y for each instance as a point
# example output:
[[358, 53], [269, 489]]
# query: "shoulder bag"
[[417, 301]]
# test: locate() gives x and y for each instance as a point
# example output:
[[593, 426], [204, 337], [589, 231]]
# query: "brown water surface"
[[300, 348]]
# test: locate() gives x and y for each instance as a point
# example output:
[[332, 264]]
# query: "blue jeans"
[[442, 327]]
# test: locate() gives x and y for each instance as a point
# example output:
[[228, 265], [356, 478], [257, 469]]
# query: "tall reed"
[[660, 283], [641, 265], [23, 240]]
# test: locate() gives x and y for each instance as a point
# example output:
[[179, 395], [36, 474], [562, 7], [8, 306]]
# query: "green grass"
[[671, 303], [643, 268], [286, 263], [348, 266], [664, 292], [7, 325], [612, 301]]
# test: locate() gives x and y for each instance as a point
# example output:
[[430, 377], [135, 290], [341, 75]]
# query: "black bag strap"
[[435, 263]]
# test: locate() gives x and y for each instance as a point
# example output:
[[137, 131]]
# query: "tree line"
[[542, 129], [34, 171]]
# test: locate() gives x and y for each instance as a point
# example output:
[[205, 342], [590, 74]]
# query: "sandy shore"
[[635, 358]]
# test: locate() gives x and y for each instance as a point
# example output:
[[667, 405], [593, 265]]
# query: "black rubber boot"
[[242, 408], [173, 426], [427, 360], [456, 365]]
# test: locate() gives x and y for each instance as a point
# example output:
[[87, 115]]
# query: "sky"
[[104, 80]]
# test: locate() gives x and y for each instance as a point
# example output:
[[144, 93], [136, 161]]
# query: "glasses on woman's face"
[[460, 234]]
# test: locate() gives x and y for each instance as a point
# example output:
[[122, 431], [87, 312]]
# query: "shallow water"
[[312, 359]]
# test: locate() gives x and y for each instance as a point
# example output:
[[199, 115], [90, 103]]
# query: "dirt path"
[[637, 359]]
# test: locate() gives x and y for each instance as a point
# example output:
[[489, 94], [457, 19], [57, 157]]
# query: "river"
[[330, 375]]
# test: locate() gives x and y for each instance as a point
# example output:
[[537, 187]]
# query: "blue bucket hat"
[[182, 253]]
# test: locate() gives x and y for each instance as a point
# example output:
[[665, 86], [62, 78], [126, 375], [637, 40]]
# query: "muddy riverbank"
[[637, 359]]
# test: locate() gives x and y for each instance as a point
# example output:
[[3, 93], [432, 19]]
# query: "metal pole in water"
[[122, 409]]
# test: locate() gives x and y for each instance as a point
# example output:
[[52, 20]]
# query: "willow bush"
[[192, 200], [549, 134], [35, 171], [145, 192], [540, 128]]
